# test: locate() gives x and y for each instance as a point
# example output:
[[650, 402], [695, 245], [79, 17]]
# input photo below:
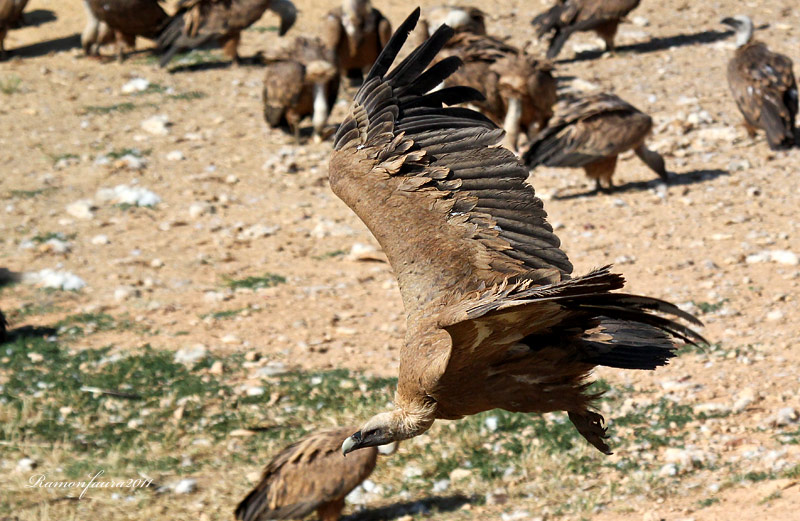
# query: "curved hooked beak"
[[731, 22], [352, 443]]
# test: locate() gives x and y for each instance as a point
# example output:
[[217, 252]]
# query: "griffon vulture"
[[763, 84], [590, 132], [519, 90], [571, 16], [307, 476], [200, 22], [494, 319], [300, 81], [356, 32], [10, 17], [127, 19], [95, 34], [461, 19]]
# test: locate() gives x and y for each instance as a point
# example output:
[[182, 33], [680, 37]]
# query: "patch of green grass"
[[10, 84], [107, 109], [221, 315], [707, 502], [188, 96], [266, 281], [61, 236], [329, 255], [122, 152], [792, 473], [706, 307], [30, 194]]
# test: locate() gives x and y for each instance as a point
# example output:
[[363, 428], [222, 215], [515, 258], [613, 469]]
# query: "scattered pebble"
[[124, 293], [175, 155], [778, 256], [81, 209], [191, 355], [26, 465], [156, 125], [786, 416], [55, 279], [186, 486], [100, 239], [135, 85], [133, 195]]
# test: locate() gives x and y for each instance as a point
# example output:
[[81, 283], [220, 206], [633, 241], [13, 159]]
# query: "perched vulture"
[[127, 19], [300, 81], [762, 82], [95, 34], [461, 19], [494, 319], [519, 90], [10, 17], [200, 22], [356, 32], [307, 476], [590, 132], [571, 16]]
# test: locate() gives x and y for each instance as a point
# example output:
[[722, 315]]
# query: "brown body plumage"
[[519, 90], [590, 132], [10, 17], [96, 33], [356, 32], [461, 19], [494, 319], [763, 84], [310, 475], [200, 22], [570, 16], [127, 19], [301, 80]]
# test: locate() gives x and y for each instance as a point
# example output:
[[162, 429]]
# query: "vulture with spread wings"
[[307, 476], [198, 23], [590, 132], [763, 85], [572, 16], [493, 318]]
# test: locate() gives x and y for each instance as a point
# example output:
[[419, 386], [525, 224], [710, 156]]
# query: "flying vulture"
[[307, 476], [590, 132], [300, 81], [356, 32], [10, 17], [494, 319], [95, 34], [127, 19], [519, 90], [571, 16], [200, 22], [763, 85]]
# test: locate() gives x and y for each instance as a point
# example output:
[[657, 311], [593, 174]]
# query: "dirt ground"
[[240, 200]]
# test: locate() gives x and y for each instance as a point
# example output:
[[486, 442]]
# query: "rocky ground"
[[163, 228]]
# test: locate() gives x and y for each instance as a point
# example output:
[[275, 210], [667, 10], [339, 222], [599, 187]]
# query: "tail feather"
[[558, 40], [780, 133]]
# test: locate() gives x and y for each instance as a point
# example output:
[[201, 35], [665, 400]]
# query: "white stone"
[[133, 162], [123, 293], [81, 209], [135, 85], [775, 315], [26, 465], [491, 423], [125, 194], [441, 485], [56, 279], [786, 416], [57, 246], [186, 486], [198, 209], [670, 469], [257, 231], [785, 257], [641, 21], [254, 390], [460, 474], [191, 355], [412, 471], [744, 399], [100, 239], [175, 155], [156, 125], [271, 369], [230, 339]]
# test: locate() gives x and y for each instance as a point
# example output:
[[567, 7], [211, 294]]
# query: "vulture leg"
[[125, 44], [751, 130], [511, 123], [293, 120], [331, 511], [602, 170], [607, 32], [230, 47], [653, 160], [2, 44], [590, 426], [320, 112]]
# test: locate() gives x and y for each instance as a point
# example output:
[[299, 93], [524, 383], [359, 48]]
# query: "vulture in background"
[[307, 476], [7, 277], [200, 22], [494, 317], [590, 132], [571, 16], [10, 17], [127, 19], [519, 90], [356, 32], [461, 19], [95, 34], [301, 80], [763, 85]]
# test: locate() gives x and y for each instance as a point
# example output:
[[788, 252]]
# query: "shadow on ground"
[[65, 43], [427, 506], [683, 179], [38, 17]]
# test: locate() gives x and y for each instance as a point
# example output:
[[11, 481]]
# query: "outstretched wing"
[[452, 211], [306, 475]]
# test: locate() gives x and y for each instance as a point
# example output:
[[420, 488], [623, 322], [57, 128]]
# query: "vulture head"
[[742, 26], [388, 428]]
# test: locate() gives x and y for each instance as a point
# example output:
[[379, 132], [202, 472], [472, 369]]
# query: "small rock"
[[100, 239], [460, 474], [216, 368], [254, 390], [198, 209], [498, 497], [785, 416], [641, 21], [257, 231], [156, 125], [744, 399], [412, 471], [231, 179], [26, 465], [271, 369], [230, 339], [82, 209], [775, 315], [440, 486], [123, 293], [491, 423], [156, 263], [186, 486], [670, 469], [175, 155], [135, 85], [49, 278], [785, 257], [191, 355], [133, 195]]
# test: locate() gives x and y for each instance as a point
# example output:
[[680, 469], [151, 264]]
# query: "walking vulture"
[[307, 476], [10, 17], [494, 319], [201, 22], [519, 90], [127, 19], [301, 80], [590, 132], [571, 16], [763, 85], [356, 32]]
